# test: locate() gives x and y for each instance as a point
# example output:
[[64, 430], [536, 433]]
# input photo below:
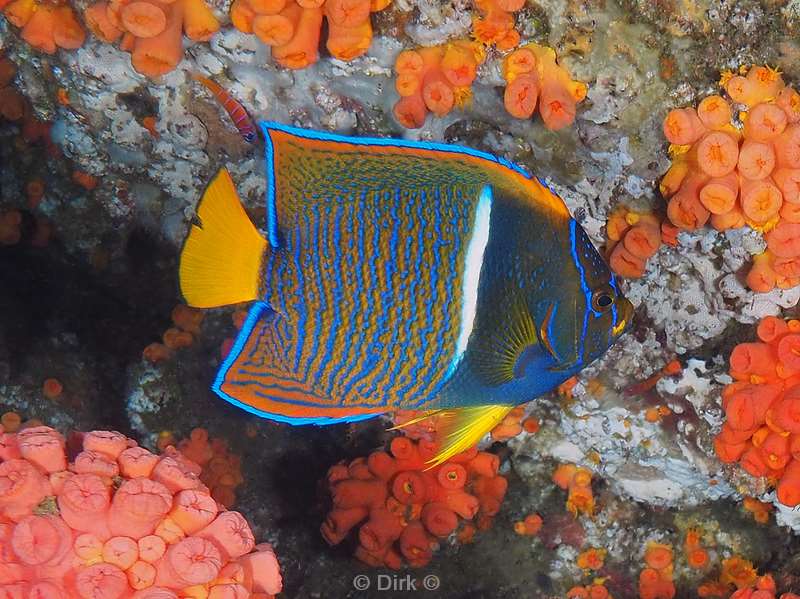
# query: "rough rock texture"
[[83, 308]]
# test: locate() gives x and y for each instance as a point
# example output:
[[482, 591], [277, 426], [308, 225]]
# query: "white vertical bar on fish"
[[473, 262]]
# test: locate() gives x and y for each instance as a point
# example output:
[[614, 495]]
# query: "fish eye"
[[602, 300]]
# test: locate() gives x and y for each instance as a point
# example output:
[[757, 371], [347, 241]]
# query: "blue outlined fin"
[[256, 377]]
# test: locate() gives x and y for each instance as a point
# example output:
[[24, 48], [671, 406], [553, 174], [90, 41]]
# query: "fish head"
[[588, 313]]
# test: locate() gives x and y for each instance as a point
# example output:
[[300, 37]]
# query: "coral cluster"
[[118, 522], [762, 405], [293, 28], [745, 171], [46, 25], [401, 509], [696, 555], [532, 75], [633, 238], [763, 588], [187, 323], [513, 424], [495, 24], [221, 468], [434, 79], [760, 509], [152, 31], [590, 561], [596, 590], [529, 526], [578, 484], [655, 581]]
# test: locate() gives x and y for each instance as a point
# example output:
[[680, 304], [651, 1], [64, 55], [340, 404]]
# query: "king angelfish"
[[399, 275]]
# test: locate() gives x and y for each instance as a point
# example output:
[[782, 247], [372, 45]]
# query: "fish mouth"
[[625, 319]]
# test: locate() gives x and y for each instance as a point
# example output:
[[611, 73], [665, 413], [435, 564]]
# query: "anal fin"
[[458, 429], [256, 376]]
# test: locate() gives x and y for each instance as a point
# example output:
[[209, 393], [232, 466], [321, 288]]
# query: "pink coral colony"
[[119, 522]]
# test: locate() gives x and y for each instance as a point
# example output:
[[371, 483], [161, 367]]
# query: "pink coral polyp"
[[77, 530]]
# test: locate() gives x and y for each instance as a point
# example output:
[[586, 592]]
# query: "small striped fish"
[[244, 124], [399, 275]]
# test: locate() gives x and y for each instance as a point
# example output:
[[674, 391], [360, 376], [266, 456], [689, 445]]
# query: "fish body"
[[399, 275], [241, 120]]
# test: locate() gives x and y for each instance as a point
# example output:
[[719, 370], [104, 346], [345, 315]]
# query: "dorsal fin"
[[316, 166]]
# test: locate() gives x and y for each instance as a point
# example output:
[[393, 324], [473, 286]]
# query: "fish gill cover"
[[665, 468]]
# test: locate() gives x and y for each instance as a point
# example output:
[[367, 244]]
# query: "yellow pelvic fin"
[[458, 429], [221, 259]]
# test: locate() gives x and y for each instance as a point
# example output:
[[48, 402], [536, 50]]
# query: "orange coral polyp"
[[717, 153], [756, 159], [347, 43], [787, 147], [408, 62], [459, 65], [761, 200], [682, 126], [158, 55], [38, 31], [347, 13], [719, 195], [697, 558], [557, 107], [199, 22], [765, 122], [143, 19], [19, 12], [302, 50], [273, 30], [784, 240], [714, 112], [521, 95], [67, 31], [789, 101], [437, 94], [685, 209], [767, 82], [242, 16], [658, 556], [788, 181]]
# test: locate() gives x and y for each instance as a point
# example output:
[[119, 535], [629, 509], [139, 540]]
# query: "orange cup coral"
[[434, 79], [633, 238], [529, 526], [293, 28], [401, 510], [578, 482], [495, 25], [119, 522], [655, 581], [762, 405], [152, 31], [221, 469], [532, 75], [731, 177], [45, 26]]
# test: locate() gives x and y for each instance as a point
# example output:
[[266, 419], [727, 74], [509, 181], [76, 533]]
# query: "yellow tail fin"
[[459, 429], [221, 259]]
